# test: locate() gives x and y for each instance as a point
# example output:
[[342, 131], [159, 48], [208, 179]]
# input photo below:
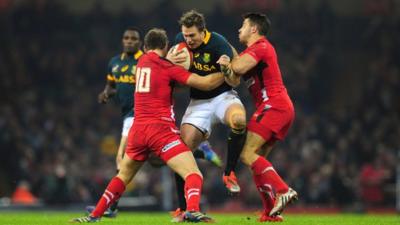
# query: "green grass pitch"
[[157, 218]]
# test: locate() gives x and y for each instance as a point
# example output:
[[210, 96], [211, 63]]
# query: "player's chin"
[[130, 49]]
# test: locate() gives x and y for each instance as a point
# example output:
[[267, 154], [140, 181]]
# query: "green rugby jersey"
[[121, 70], [205, 59]]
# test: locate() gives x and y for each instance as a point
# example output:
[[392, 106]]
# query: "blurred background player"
[[154, 129], [206, 108], [258, 64], [120, 86]]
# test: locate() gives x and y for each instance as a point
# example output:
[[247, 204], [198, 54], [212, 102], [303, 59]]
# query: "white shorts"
[[204, 113], [128, 121]]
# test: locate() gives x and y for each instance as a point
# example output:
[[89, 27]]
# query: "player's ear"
[[145, 49], [254, 29]]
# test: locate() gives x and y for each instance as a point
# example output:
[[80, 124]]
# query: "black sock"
[[180, 190], [198, 154], [236, 141]]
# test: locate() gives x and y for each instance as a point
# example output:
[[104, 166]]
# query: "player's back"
[[154, 84]]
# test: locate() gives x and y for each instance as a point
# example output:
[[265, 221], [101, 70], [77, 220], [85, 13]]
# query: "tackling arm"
[[206, 83], [241, 64]]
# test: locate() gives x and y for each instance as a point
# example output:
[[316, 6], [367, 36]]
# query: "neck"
[[253, 39], [129, 53], [157, 51]]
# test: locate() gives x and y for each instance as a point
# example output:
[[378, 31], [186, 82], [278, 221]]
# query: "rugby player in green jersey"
[[120, 87]]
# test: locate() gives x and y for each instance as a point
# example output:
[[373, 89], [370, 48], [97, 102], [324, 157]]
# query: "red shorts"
[[273, 118], [161, 139]]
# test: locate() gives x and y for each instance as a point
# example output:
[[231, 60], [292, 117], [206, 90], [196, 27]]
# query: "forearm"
[[237, 67], [231, 78], [213, 81], [110, 89]]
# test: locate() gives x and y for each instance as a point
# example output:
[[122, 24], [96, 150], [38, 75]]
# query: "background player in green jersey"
[[120, 86]]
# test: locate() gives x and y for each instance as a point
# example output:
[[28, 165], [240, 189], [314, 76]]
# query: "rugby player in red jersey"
[[258, 65], [154, 127]]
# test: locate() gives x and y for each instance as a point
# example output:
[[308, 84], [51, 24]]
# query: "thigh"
[[191, 135], [199, 114], [165, 142], [271, 121], [225, 101], [127, 124], [137, 146]]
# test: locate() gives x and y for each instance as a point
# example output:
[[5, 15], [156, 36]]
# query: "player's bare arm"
[[205, 83], [108, 92], [242, 64]]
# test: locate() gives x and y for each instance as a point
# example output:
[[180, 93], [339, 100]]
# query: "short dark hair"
[[156, 38], [193, 18], [260, 20], [131, 28]]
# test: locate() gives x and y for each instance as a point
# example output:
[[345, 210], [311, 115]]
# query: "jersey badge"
[[124, 68], [206, 57]]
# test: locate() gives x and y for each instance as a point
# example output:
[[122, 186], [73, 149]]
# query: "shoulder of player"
[[165, 62], [262, 44], [218, 39], [115, 59]]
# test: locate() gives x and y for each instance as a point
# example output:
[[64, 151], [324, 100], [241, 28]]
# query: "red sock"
[[193, 185], [268, 175], [112, 193], [266, 193]]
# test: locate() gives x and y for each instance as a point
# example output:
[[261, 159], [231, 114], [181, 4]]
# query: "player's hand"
[[177, 57], [224, 62], [103, 97]]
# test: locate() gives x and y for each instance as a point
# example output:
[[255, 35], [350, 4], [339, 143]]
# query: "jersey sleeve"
[[257, 52], [177, 73], [223, 47], [110, 76]]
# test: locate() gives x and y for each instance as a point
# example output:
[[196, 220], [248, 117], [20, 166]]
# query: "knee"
[[238, 121]]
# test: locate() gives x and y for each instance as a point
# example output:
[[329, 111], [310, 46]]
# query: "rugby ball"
[[186, 52]]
